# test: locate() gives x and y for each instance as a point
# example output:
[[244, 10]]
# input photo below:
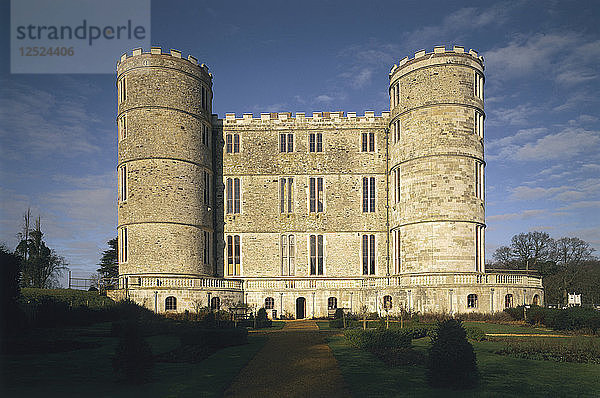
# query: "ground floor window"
[[387, 302], [170, 303], [508, 301], [215, 303], [536, 300], [332, 303], [472, 301], [269, 303]]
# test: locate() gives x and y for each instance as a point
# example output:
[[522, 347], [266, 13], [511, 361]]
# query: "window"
[[123, 246], [123, 183], [397, 184], [397, 242], [269, 303], [395, 94], [472, 301], [397, 130], [478, 86], [479, 124], [316, 254], [286, 142], [206, 190], [315, 142], [122, 89], [170, 303], [479, 248], [479, 181], [508, 301], [205, 98], [123, 127], [233, 195], [288, 254], [205, 135], [536, 299], [368, 254], [206, 247], [368, 195], [368, 142], [232, 143], [387, 303], [215, 304], [286, 189], [316, 194], [233, 255], [331, 303]]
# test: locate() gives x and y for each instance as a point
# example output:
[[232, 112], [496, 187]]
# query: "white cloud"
[[324, 98], [519, 215]]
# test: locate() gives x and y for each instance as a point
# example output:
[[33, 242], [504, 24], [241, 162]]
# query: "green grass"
[[501, 375], [89, 372], [504, 328], [277, 325], [70, 296]]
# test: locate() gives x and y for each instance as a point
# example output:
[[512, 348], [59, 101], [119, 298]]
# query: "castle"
[[304, 214]]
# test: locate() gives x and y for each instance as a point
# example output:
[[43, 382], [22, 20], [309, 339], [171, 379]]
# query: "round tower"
[[436, 163], [165, 167]]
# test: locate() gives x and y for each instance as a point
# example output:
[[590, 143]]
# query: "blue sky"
[[58, 134]]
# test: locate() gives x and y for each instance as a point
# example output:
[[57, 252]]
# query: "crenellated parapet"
[[158, 51], [300, 118], [437, 52]]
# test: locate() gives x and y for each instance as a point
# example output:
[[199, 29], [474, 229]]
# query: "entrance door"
[[300, 308]]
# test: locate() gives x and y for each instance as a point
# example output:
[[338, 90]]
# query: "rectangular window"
[[478, 86], [315, 142], [368, 195], [479, 181], [205, 135], [398, 131], [316, 194], [397, 184], [232, 143], [123, 183], [368, 254], [286, 142], [479, 248], [232, 193], [123, 246], [206, 248], [368, 142], [316, 254], [397, 251], [122, 89], [288, 254], [206, 190], [123, 127], [479, 124], [286, 189], [233, 255], [398, 94]]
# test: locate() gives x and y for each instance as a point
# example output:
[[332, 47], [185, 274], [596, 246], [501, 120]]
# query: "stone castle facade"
[[302, 214]]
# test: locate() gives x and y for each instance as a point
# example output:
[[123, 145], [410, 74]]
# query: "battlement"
[[438, 50], [158, 51], [302, 118]]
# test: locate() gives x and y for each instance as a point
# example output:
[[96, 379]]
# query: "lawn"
[[501, 375], [89, 372]]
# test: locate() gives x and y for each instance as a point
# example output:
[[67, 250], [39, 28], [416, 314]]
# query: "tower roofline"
[[438, 51]]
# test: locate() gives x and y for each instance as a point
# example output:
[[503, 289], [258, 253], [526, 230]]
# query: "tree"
[[570, 254], [10, 272], [41, 266], [109, 264], [526, 251]]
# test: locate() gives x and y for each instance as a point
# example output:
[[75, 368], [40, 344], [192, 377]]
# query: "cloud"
[[520, 215], [587, 188], [526, 145], [324, 98], [568, 58]]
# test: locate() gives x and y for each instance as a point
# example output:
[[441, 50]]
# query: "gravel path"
[[295, 362]]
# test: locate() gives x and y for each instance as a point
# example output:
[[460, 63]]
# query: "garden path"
[[295, 362]]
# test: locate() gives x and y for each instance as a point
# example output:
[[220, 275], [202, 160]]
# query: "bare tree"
[[570, 254]]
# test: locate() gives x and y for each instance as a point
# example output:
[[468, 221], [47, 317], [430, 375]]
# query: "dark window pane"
[[312, 190]]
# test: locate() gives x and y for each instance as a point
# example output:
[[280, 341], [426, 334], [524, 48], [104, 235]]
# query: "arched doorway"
[[300, 308], [536, 300]]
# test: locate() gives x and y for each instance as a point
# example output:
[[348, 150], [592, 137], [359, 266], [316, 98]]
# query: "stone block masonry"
[[307, 213]]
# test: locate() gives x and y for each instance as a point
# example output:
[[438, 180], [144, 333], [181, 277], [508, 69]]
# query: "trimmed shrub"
[[576, 349], [516, 313], [133, 361], [474, 333], [378, 339], [262, 319], [451, 361]]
